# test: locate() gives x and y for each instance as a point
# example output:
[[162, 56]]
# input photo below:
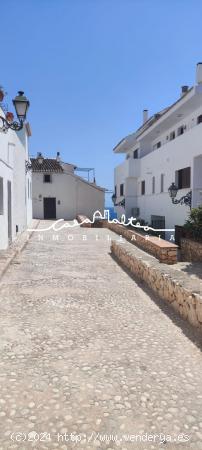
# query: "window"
[[121, 189], [47, 179], [135, 154], [184, 178], [115, 191], [162, 182], [1, 196], [199, 119], [172, 135], [143, 187], [153, 185], [157, 145], [180, 130]]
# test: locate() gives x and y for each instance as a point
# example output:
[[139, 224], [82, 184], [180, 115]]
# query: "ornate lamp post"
[[121, 203], [185, 200], [21, 104]]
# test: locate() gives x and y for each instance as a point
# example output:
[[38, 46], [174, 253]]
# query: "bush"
[[193, 225]]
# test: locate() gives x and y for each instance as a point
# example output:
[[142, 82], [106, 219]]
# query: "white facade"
[[167, 148], [15, 197], [72, 194]]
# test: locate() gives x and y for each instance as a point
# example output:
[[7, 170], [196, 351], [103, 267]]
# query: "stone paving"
[[88, 358]]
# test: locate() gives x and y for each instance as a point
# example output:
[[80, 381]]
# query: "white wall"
[[13, 153], [75, 196], [184, 151]]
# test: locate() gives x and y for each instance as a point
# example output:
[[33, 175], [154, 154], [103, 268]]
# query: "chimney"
[[199, 73], [184, 90], [145, 115], [58, 157]]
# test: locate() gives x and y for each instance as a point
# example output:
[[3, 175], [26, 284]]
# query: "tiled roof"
[[48, 165]]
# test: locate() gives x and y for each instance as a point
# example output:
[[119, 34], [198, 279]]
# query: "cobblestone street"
[[86, 350]]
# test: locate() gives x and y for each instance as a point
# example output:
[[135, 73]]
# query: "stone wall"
[[164, 251], [156, 276], [191, 250], [81, 218]]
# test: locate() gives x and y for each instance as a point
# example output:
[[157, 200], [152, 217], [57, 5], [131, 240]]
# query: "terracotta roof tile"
[[48, 165]]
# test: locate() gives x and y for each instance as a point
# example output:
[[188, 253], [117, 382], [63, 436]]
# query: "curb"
[[16, 252]]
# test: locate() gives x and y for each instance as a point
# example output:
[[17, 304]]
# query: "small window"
[[153, 185], [172, 135], [199, 119], [135, 154], [162, 182], [1, 196], [115, 191], [184, 178], [157, 145], [121, 189], [47, 179], [143, 187], [180, 130]]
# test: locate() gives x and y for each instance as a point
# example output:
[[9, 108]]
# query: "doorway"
[[158, 222], [49, 206]]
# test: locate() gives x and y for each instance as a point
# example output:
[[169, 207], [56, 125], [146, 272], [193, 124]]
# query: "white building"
[[58, 193], [166, 148], [15, 184]]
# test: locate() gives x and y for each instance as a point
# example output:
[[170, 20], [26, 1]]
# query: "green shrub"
[[193, 225]]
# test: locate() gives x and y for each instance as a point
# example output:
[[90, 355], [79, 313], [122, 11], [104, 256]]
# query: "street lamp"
[[21, 104], [28, 166], [184, 200], [114, 198]]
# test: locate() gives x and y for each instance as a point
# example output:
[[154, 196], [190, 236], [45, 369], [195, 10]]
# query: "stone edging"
[[155, 275], [7, 256], [80, 218]]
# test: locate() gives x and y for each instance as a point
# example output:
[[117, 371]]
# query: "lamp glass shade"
[[21, 105], [173, 190]]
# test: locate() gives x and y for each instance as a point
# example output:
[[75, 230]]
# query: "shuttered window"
[[184, 178], [143, 187], [153, 185], [121, 189], [162, 182]]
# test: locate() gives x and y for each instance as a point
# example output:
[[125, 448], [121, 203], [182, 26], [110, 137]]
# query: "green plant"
[[194, 223], [195, 218]]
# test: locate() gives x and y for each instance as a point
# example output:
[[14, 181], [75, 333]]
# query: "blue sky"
[[89, 68]]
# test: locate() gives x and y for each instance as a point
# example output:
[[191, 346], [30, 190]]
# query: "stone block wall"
[[87, 223], [164, 251], [191, 250], [182, 299]]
